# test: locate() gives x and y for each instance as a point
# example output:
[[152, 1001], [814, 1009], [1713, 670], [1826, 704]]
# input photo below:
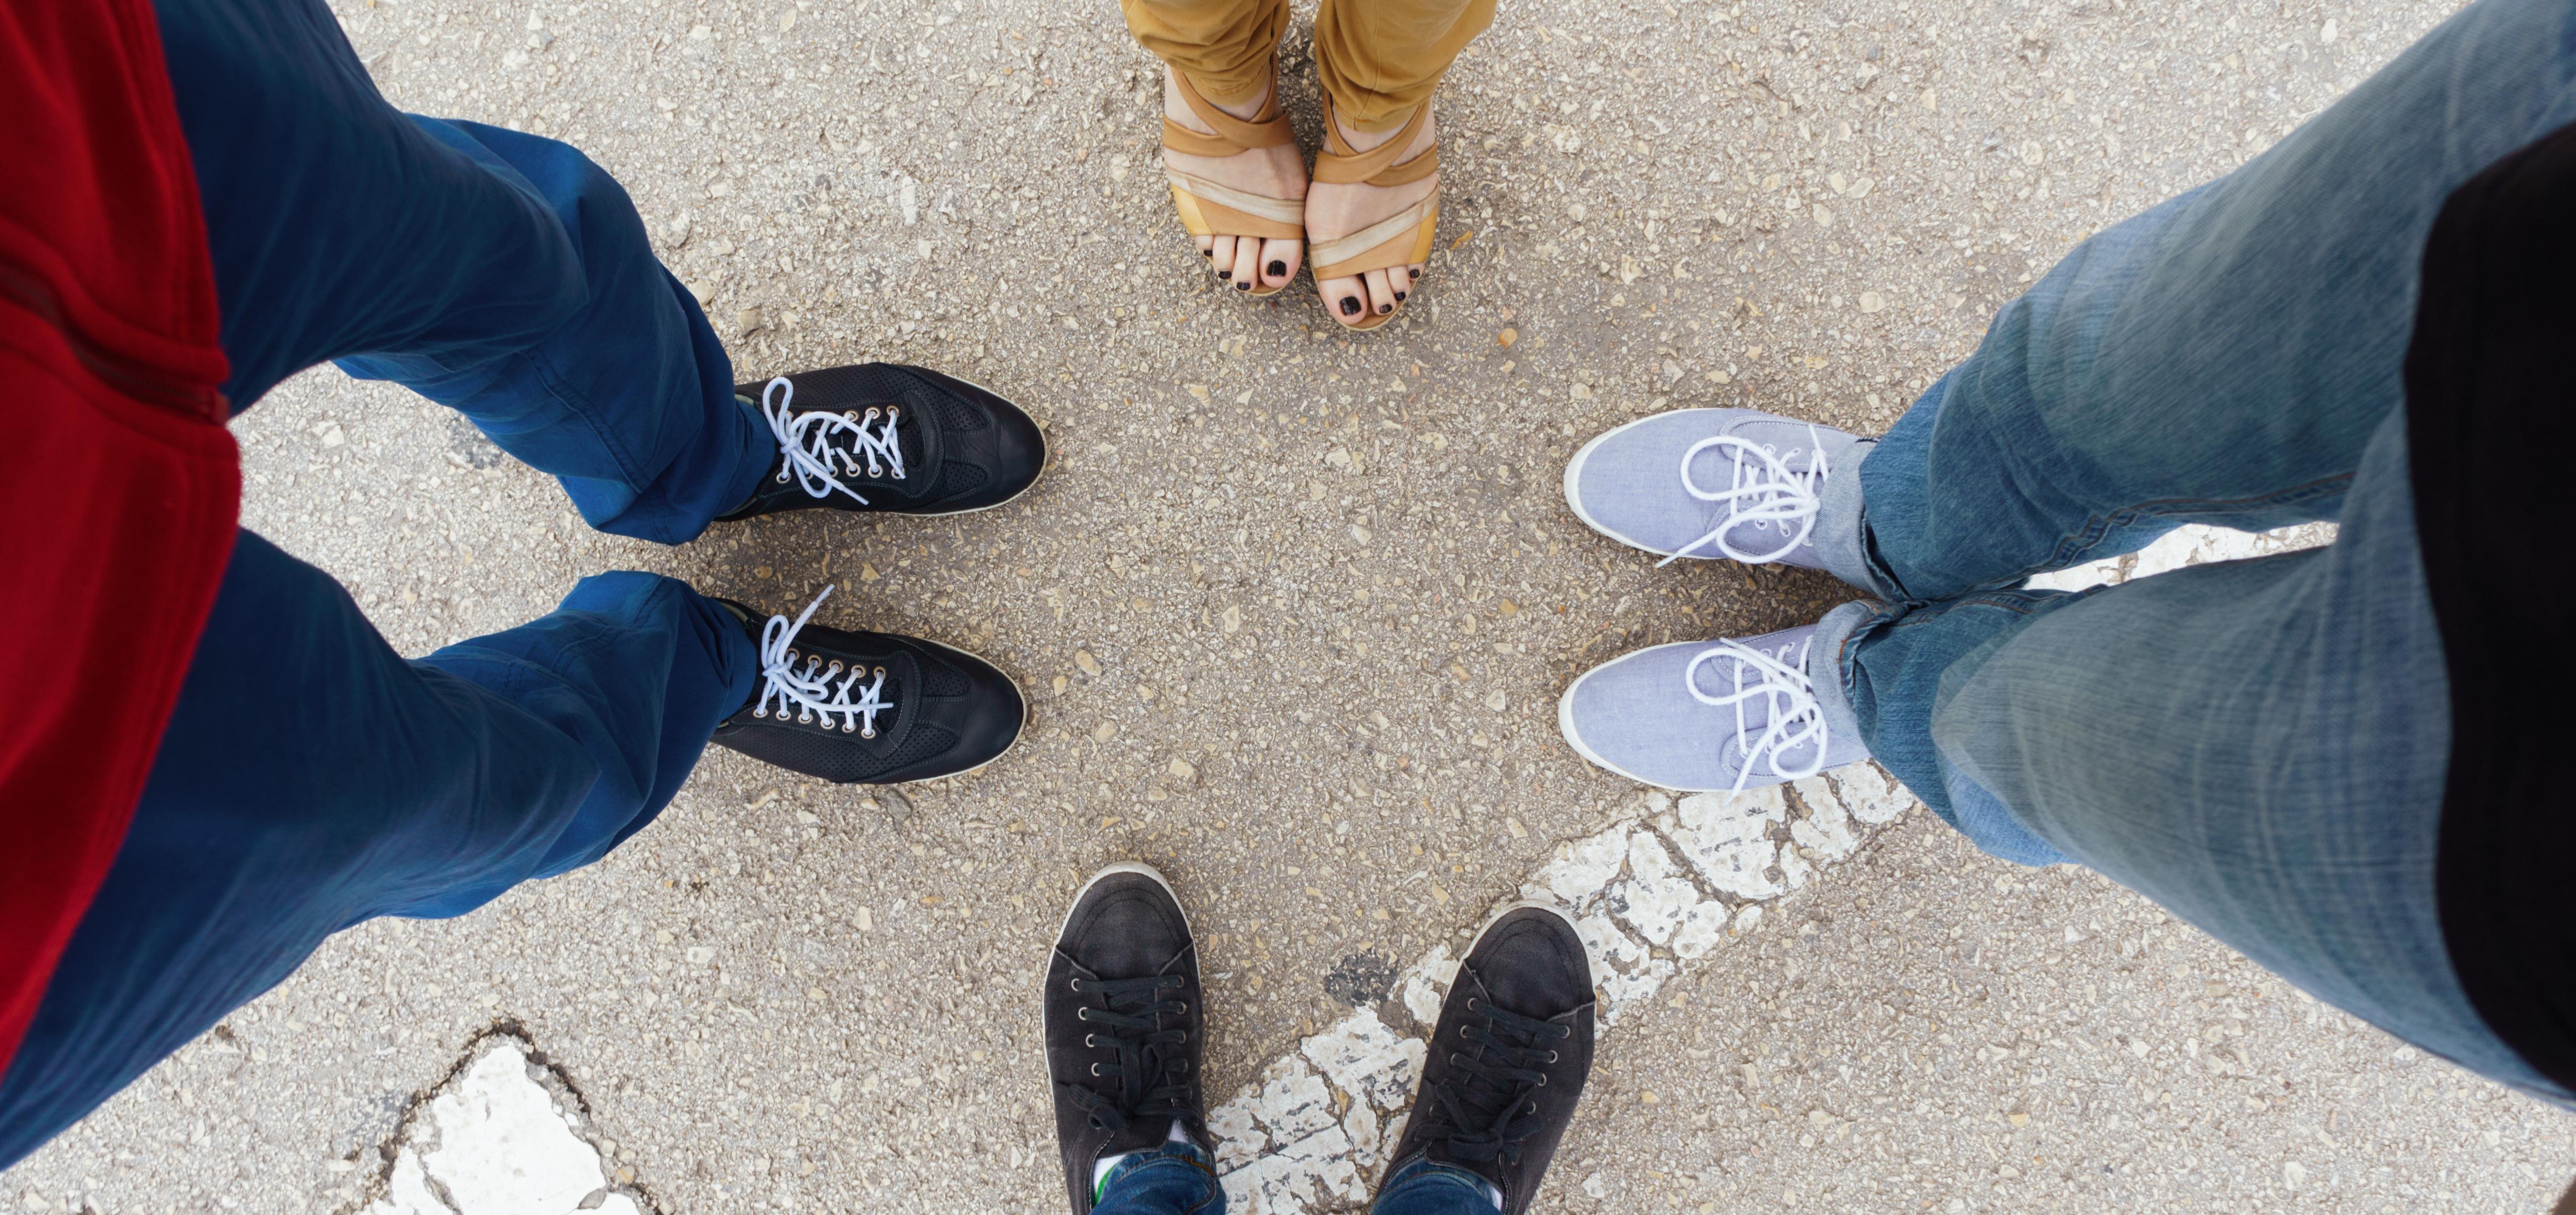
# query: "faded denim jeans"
[[2259, 746]]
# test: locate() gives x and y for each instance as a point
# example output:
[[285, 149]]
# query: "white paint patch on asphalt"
[[2191, 544], [496, 1142], [1651, 894]]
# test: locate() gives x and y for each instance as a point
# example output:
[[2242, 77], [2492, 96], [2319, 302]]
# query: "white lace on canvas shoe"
[[1736, 484], [1703, 716]]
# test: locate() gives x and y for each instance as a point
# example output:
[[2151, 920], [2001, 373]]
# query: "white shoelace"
[[811, 690], [806, 441], [1766, 491], [1793, 719]]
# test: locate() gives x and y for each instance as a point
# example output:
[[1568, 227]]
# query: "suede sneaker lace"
[[1151, 1081], [1482, 1106], [811, 690], [812, 442], [1793, 721], [1766, 493]]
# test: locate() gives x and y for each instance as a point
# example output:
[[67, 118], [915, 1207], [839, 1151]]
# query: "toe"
[[1382, 296], [1345, 298], [1207, 246], [1412, 276], [1221, 256], [1247, 263], [1279, 260]]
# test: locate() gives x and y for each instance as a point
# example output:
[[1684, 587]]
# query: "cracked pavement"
[[1292, 610]]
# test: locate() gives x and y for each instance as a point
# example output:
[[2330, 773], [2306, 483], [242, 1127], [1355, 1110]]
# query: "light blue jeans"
[[1175, 1180], [2258, 746]]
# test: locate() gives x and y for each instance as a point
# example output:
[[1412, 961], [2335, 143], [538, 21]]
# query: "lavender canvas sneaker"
[[1695, 716], [1710, 483]]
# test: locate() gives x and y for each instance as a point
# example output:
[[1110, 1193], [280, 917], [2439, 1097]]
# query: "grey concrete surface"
[[1293, 611]]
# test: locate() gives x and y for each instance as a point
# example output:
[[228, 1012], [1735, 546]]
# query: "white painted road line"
[[1652, 894]]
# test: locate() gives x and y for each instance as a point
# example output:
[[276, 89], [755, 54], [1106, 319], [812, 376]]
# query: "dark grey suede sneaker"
[[890, 439], [1508, 1059], [869, 708], [1124, 1032]]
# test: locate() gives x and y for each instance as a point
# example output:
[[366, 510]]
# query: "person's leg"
[[500, 273], [1375, 198], [1174, 1179], [1223, 46], [1126, 1034], [2222, 358], [2258, 746], [1379, 60], [1237, 177], [1427, 1187], [1508, 1057], [311, 778]]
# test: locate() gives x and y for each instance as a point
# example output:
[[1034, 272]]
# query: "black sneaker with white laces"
[[1123, 1028], [890, 439], [869, 708], [1509, 1056]]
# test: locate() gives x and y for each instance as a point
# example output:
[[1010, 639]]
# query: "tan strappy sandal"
[[1210, 208], [1401, 239]]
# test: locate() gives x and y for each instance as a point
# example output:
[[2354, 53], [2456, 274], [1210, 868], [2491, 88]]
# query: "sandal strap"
[[1340, 164], [1291, 211], [1345, 256], [1267, 129]]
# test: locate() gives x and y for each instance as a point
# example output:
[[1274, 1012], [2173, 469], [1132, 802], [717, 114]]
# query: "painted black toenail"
[[1350, 307], [1383, 309], [1278, 269], [1225, 274], [1399, 297], [1207, 253], [1243, 286]]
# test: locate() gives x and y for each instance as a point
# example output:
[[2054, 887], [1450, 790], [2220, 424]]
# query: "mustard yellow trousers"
[[1378, 59]]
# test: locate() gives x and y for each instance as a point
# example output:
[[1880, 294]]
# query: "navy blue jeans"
[[1176, 1179], [2258, 746], [311, 778]]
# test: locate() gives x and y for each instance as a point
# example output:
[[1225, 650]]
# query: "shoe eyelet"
[[1471, 1004], [848, 726], [1552, 1056], [867, 734], [762, 711], [1542, 1081], [1089, 1041], [1185, 1009], [1095, 1069], [1081, 1014], [851, 414], [880, 671], [782, 476]]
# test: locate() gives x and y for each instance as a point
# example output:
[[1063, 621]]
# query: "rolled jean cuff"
[[1839, 530], [1827, 673]]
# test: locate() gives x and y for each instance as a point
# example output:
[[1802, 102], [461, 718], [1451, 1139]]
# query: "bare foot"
[[1276, 172], [1335, 210]]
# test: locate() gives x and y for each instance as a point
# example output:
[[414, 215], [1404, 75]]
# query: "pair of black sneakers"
[[879, 708], [1125, 1032]]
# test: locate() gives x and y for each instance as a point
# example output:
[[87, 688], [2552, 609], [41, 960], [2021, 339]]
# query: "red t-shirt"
[[119, 485]]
